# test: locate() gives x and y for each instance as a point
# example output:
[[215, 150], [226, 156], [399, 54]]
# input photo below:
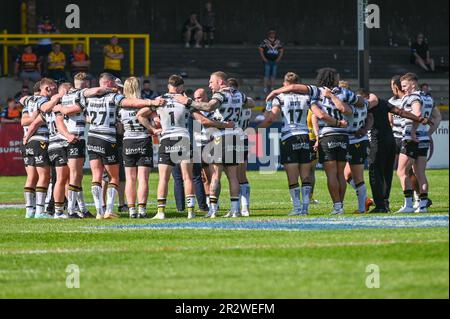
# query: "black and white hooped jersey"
[[102, 111], [427, 104], [132, 128], [294, 109], [327, 106], [230, 109], [174, 118], [31, 105], [75, 123], [244, 121], [202, 134], [357, 121], [397, 121], [56, 140]]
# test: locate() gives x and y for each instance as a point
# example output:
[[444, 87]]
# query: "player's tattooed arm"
[[200, 106], [321, 115], [62, 128], [250, 103], [143, 117], [140, 103], [203, 120], [33, 128], [295, 88], [343, 107]]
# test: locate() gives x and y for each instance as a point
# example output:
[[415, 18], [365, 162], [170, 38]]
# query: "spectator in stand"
[[192, 31], [56, 63], [25, 91], [425, 88], [113, 53], [12, 113], [27, 67], [79, 60], [420, 54], [209, 25], [44, 46], [271, 51], [147, 92]]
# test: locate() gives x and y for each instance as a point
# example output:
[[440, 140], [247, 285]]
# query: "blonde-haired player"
[[137, 152]]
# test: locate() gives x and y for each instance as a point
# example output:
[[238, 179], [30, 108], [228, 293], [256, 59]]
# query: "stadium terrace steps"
[[245, 62]]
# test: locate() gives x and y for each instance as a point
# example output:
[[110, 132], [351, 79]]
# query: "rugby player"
[[202, 137], [296, 153], [227, 104], [175, 145], [415, 144], [102, 142], [36, 157], [333, 139], [56, 154], [244, 121], [71, 123], [359, 123], [137, 152]]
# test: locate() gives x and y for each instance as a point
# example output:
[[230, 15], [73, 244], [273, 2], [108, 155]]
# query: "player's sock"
[[351, 182], [30, 200], [59, 208], [162, 205], [190, 203], [48, 196], [207, 200], [80, 200], [132, 209], [111, 194], [234, 204], [41, 193], [213, 202], [338, 206], [97, 194], [306, 193], [72, 199], [409, 194], [142, 209], [245, 196], [423, 200], [361, 192], [294, 190]]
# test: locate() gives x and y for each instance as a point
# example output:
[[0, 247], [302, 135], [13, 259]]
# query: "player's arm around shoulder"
[[216, 100], [271, 114], [38, 121]]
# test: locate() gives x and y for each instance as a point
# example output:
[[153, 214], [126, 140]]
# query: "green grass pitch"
[[213, 263]]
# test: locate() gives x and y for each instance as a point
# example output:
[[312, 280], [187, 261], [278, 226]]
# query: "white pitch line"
[[167, 248]]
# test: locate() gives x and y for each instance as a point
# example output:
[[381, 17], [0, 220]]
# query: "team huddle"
[[322, 122]]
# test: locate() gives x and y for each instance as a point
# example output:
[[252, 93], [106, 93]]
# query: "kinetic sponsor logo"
[[300, 146], [134, 151], [96, 148], [337, 144]]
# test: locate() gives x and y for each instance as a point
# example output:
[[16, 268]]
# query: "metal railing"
[[23, 39]]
